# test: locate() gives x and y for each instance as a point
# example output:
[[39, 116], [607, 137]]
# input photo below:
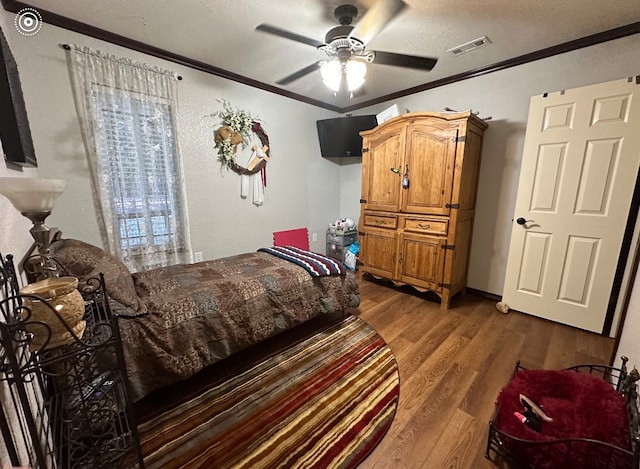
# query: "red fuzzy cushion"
[[581, 405]]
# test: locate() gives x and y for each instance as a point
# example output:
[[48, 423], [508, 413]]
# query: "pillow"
[[84, 260], [581, 405]]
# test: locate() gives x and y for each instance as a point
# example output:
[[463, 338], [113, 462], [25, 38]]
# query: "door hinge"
[[461, 138], [450, 247], [444, 285], [363, 201], [457, 206], [365, 150]]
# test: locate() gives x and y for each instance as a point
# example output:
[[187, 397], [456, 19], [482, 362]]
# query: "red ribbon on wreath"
[[257, 129]]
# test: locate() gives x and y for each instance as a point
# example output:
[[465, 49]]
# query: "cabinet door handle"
[[424, 226]]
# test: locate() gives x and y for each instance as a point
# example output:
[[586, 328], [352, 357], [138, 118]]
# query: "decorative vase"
[[63, 296]]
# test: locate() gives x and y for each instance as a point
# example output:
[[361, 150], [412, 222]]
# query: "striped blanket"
[[316, 264]]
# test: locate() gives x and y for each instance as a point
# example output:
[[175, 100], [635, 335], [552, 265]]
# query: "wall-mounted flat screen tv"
[[15, 134], [341, 136]]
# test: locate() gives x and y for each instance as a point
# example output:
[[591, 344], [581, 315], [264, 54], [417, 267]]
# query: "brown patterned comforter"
[[201, 313]]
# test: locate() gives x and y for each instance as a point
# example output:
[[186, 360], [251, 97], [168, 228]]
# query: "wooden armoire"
[[419, 181]]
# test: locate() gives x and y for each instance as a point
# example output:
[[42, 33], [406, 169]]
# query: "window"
[[127, 113], [136, 147]]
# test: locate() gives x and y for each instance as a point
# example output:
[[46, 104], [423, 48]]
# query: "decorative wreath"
[[236, 128]]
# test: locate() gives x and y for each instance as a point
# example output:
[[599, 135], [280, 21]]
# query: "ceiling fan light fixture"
[[354, 71], [331, 71], [346, 66]]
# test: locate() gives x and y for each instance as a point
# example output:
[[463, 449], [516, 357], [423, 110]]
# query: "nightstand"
[[72, 398]]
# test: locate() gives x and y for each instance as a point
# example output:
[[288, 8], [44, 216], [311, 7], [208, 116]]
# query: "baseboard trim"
[[484, 294]]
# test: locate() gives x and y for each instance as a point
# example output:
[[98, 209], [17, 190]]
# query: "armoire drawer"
[[380, 220], [420, 225]]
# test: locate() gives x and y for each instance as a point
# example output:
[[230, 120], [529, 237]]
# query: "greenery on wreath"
[[236, 128]]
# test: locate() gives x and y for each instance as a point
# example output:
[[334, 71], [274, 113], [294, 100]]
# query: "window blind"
[[136, 148]]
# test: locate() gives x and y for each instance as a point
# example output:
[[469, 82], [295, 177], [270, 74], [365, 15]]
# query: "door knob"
[[522, 221]]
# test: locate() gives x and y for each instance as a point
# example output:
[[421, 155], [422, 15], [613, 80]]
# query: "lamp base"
[[42, 235]]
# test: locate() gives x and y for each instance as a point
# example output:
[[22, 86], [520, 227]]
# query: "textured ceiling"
[[221, 35]]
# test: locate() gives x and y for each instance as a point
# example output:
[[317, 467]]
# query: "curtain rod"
[[68, 47]]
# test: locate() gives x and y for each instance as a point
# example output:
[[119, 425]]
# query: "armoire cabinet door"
[[378, 252], [429, 163], [381, 171], [422, 260]]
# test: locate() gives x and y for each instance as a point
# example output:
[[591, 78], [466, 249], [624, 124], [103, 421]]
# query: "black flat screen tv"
[[15, 134], [340, 136]]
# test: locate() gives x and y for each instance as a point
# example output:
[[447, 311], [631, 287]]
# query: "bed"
[[176, 320]]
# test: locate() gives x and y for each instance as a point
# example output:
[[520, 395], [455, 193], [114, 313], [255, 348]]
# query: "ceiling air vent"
[[469, 46]]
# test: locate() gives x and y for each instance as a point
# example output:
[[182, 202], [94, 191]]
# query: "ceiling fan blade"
[[267, 28], [403, 60], [376, 18], [299, 74]]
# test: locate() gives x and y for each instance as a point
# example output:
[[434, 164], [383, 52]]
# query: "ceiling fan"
[[345, 47]]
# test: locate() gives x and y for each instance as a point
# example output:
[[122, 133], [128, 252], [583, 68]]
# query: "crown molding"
[[83, 28]]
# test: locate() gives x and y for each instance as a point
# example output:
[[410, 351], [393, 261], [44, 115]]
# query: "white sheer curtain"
[[127, 113]]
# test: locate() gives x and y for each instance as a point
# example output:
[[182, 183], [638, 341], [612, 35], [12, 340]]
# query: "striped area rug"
[[324, 402]]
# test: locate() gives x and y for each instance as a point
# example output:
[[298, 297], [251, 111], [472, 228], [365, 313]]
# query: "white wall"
[[14, 228], [629, 344], [14, 234], [303, 189], [505, 96]]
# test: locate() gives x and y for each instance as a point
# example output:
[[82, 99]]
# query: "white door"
[[579, 168]]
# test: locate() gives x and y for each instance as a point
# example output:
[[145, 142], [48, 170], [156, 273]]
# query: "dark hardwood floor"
[[452, 366]]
